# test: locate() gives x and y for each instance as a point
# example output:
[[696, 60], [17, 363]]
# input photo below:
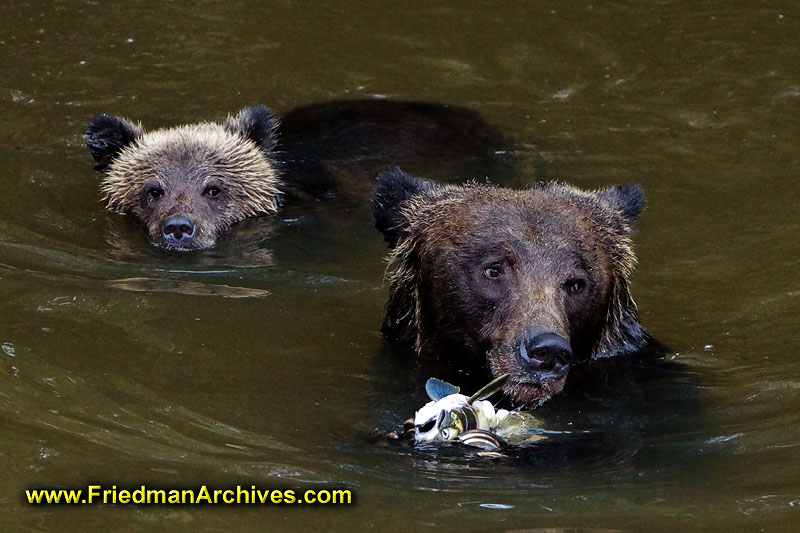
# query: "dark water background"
[[259, 362]]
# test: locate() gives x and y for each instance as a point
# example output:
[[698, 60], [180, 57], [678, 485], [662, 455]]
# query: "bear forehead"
[[198, 143], [518, 215], [194, 153]]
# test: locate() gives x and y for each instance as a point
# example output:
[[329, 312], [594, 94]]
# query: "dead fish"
[[454, 417]]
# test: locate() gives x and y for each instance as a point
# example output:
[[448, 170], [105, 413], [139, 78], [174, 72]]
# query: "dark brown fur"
[[475, 270]]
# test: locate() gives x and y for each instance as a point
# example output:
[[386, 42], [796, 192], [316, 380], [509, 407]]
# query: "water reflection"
[[185, 287]]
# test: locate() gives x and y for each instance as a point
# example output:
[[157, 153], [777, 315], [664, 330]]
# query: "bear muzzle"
[[545, 354], [179, 232], [538, 360]]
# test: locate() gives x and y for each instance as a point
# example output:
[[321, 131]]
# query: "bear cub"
[[527, 282], [189, 184]]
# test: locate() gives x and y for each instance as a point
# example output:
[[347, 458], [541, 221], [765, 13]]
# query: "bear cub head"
[[188, 184], [527, 282]]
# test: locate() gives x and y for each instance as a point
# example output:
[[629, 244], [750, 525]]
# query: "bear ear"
[[107, 136], [393, 190], [257, 124], [627, 199]]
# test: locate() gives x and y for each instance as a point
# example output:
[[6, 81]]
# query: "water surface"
[[259, 362]]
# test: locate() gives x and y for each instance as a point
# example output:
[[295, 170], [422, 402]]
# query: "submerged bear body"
[[526, 282], [189, 184]]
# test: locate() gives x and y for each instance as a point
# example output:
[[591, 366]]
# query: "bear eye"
[[493, 272], [212, 191], [155, 192], [575, 286]]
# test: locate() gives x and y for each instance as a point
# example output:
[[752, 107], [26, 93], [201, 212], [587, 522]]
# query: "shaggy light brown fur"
[[209, 147], [188, 184]]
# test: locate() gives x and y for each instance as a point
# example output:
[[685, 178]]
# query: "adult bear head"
[[527, 281]]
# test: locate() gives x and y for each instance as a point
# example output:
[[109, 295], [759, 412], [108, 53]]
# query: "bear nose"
[[178, 229], [548, 352]]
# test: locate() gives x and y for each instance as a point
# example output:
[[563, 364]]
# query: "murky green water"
[[259, 362]]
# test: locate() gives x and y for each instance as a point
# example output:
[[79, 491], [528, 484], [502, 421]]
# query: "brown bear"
[[189, 184], [526, 281]]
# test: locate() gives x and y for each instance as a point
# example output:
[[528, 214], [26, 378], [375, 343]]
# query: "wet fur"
[[436, 232], [184, 161]]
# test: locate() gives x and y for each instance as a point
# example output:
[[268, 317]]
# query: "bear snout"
[[178, 231], [546, 353]]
